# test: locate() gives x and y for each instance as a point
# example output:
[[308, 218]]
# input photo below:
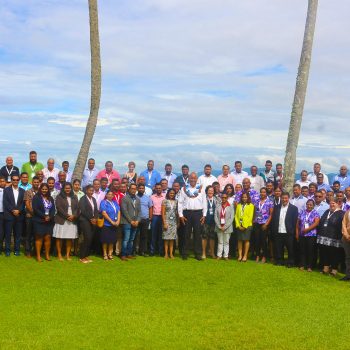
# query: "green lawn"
[[151, 303]]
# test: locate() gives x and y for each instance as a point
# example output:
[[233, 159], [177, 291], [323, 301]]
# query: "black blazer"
[[9, 203], [39, 209], [86, 212], [290, 220]]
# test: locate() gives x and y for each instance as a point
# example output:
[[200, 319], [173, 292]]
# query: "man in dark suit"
[[13, 201], [284, 223]]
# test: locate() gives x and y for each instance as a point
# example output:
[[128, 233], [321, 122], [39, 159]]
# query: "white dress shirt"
[[50, 173], [282, 220], [192, 203], [239, 177], [206, 181], [256, 182], [299, 202], [170, 178], [313, 178], [303, 183], [1, 200], [15, 193]]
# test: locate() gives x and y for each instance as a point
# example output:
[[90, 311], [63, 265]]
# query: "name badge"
[[47, 212], [171, 217], [9, 179], [211, 212], [306, 225], [325, 223], [222, 221]]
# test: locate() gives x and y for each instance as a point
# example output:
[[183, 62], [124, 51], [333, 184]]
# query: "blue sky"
[[183, 81]]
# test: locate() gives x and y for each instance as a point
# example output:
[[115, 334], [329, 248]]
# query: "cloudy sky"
[[183, 81]]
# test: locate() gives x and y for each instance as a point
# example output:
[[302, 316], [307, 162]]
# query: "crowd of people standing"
[[235, 215]]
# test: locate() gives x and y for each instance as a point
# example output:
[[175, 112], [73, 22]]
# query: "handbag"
[[100, 221]]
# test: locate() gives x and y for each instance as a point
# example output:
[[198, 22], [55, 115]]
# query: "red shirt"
[[118, 196]]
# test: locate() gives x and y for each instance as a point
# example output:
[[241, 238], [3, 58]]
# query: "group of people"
[[153, 213]]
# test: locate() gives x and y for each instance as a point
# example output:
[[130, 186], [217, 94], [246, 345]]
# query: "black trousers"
[[181, 238], [143, 229], [260, 240], [284, 240], [193, 224], [2, 232], [307, 251], [233, 243], [29, 237], [330, 256], [88, 231]]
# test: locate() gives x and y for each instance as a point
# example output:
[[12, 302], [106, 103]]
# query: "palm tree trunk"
[[95, 91], [299, 97]]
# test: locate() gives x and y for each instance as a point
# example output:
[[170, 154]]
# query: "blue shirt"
[[299, 202], [88, 177], [321, 208], [171, 178], [111, 211], [146, 203], [344, 181], [151, 177], [324, 187]]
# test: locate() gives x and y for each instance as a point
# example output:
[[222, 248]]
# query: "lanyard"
[[242, 209], [91, 173], [171, 204], [33, 168], [113, 206], [279, 201], [149, 177], [91, 203], [307, 217], [185, 180], [261, 205], [330, 214], [211, 203], [9, 172], [223, 212]]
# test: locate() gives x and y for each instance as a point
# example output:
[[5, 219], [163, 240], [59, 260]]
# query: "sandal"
[[84, 261], [110, 257], [105, 257]]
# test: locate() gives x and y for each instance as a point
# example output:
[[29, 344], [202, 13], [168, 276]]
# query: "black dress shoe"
[[199, 258], [345, 278], [288, 266]]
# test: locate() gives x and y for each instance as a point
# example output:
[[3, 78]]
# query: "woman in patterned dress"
[[170, 223], [306, 234]]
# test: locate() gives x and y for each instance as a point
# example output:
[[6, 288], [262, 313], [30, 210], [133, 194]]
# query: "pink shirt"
[[157, 203], [224, 180], [112, 175]]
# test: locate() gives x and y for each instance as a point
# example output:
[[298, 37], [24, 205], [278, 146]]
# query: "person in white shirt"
[[207, 178], [238, 174], [226, 178], [192, 208], [168, 175], [317, 170], [50, 170], [284, 224], [256, 181], [303, 181]]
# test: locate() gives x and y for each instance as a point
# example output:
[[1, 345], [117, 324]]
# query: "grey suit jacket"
[[130, 210], [229, 216]]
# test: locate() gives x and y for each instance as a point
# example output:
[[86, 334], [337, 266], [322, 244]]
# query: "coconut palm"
[[299, 96], [95, 91]]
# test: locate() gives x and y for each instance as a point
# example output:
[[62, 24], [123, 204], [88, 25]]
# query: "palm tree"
[[299, 97], [95, 91]]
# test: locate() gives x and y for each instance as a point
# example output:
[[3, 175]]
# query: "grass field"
[[151, 303]]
